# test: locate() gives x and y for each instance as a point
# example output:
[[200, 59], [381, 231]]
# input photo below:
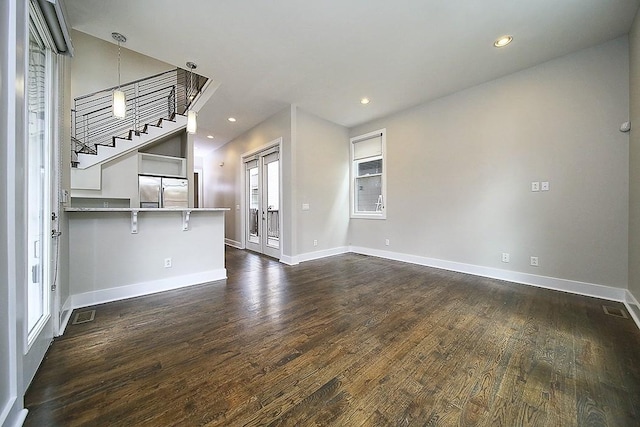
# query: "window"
[[368, 181]]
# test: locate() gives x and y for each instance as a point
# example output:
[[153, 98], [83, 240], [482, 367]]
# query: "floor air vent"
[[83, 317], [614, 311]]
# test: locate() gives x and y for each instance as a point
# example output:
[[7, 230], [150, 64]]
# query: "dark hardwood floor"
[[347, 341]]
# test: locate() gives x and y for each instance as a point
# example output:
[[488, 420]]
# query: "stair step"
[[134, 140]]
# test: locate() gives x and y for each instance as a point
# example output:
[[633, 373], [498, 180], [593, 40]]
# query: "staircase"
[[94, 154], [156, 107]]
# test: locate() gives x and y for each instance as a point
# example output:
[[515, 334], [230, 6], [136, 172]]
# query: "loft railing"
[[148, 100]]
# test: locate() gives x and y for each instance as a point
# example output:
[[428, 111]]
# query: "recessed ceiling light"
[[232, 119], [210, 136], [364, 101], [503, 41]]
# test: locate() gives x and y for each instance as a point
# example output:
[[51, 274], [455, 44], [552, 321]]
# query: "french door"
[[40, 312], [262, 233]]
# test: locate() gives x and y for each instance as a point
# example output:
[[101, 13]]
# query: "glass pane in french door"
[[273, 203], [37, 297], [254, 206]]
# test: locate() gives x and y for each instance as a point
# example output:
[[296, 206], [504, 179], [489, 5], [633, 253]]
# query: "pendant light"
[[192, 124], [119, 99]]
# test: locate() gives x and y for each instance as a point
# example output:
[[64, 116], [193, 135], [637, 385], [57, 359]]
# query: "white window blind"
[[369, 147]]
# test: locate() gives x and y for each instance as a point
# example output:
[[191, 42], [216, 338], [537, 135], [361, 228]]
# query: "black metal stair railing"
[[149, 100]]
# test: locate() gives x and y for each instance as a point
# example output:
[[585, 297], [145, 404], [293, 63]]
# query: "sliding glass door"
[[40, 100]]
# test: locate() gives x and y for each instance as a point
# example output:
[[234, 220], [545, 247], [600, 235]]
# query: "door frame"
[[243, 190]]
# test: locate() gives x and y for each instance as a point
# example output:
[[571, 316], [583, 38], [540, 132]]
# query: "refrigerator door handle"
[[161, 196]]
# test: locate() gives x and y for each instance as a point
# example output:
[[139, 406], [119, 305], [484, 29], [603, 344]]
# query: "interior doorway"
[[263, 201]]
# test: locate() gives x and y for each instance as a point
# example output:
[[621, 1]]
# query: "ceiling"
[[324, 56]]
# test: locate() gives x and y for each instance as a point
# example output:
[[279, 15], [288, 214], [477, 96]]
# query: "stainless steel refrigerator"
[[159, 192]]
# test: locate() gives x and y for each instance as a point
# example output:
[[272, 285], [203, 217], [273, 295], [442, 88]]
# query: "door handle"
[[35, 273]]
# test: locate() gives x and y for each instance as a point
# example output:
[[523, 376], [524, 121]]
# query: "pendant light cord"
[[120, 39], [118, 65], [190, 90]]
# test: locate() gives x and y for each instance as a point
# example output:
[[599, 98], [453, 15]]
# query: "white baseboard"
[[571, 286], [22, 416], [289, 260], [564, 285], [6, 409], [233, 243], [13, 416], [322, 254], [145, 288], [630, 302], [65, 321]]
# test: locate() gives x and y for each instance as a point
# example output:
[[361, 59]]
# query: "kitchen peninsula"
[[118, 253]]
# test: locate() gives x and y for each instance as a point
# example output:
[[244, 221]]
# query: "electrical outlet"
[[315, 243], [105, 204], [167, 263], [505, 257], [534, 261], [535, 186], [386, 242], [305, 206]]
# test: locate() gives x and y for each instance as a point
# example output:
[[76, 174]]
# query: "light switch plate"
[[305, 206], [544, 186]]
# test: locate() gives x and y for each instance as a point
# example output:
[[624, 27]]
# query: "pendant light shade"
[[192, 116], [192, 125], [119, 99], [119, 104]]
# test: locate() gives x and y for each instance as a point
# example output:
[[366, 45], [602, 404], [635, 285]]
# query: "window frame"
[[353, 174]]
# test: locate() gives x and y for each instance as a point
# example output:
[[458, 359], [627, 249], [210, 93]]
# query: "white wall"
[[222, 183], [634, 160], [95, 65], [6, 99], [109, 262], [459, 171], [319, 150], [119, 180], [119, 177], [172, 146], [322, 183], [7, 319], [14, 31]]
